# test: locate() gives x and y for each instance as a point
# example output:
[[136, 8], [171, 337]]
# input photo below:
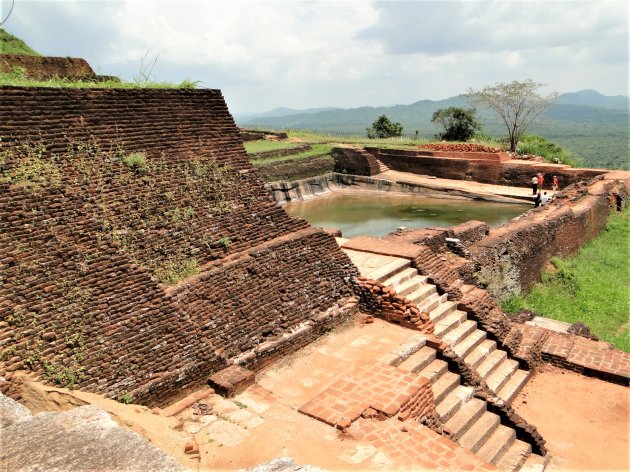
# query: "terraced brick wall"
[[108, 196]]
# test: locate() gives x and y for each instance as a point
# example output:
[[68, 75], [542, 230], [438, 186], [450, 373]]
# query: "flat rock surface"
[[283, 464], [81, 439], [11, 411]]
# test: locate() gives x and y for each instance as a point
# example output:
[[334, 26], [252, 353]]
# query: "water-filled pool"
[[377, 214]]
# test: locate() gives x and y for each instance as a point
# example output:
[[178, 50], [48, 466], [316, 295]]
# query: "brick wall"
[[481, 167], [87, 237], [511, 258], [44, 68]]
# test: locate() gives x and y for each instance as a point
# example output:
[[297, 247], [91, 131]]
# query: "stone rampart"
[[44, 67], [106, 198]]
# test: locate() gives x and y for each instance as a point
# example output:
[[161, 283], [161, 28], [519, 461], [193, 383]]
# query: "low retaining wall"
[[305, 189], [295, 169], [491, 168]]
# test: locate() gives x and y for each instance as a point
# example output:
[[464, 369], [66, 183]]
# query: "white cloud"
[[264, 54]]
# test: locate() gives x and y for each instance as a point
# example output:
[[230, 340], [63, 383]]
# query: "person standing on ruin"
[[541, 180], [534, 185], [555, 184]]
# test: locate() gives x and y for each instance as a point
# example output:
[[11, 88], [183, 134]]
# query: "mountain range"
[[591, 125]]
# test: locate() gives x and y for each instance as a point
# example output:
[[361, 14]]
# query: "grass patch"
[[316, 150], [593, 287], [313, 137], [136, 161], [17, 78], [175, 271], [539, 146], [254, 147], [10, 44]]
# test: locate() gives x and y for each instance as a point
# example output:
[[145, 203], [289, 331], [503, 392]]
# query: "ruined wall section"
[[481, 167], [46, 67], [511, 258], [107, 194]]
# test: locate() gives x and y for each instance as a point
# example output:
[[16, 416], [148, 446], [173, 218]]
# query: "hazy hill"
[[282, 111], [9, 44], [593, 126], [594, 98]]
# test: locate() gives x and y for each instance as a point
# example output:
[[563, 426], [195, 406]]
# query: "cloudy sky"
[[300, 54]]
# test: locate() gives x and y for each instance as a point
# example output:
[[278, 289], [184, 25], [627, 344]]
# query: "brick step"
[[418, 360], [465, 418], [423, 292], [456, 335], [430, 303], [479, 354], [443, 385], [534, 463], [501, 374], [442, 311], [491, 362], [496, 445], [381, 167], [452, 321], [479, 432], [400, 277], [434, 370], [453, 402], [465, 346], [408, 286], [390, 269], [514, 457], [513, 386]]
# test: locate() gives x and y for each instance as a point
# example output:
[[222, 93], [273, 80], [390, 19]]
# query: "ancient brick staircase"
[[466, 419], [501, 373]]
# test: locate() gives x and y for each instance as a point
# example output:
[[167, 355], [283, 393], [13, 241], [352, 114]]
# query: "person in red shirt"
[[555, 183], [541, 178]]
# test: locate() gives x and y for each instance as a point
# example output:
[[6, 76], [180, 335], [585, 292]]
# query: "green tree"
[[384, 128], [459, 124], [518, 104]]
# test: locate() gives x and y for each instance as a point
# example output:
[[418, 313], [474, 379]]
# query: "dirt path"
[[585, 421]]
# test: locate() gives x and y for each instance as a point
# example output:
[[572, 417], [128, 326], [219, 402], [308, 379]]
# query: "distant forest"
[[594, 127]]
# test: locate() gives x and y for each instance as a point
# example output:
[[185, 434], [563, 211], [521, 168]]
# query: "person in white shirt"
[[544, 199]]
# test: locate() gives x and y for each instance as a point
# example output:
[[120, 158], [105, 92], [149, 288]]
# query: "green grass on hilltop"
[[255, 147], [313, 137], [9, 44], [593, 287], [17, 78]]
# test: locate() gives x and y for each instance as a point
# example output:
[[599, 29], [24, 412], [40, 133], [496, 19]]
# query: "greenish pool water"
[[377, 214]]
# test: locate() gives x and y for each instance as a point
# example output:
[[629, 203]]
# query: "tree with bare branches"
[[517, 103]]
